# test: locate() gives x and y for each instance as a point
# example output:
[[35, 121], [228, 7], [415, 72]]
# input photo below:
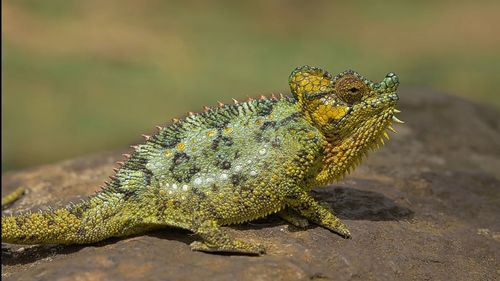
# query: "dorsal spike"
[[116, 170], [250, 99], [120, 163], [273, 96], [135, 147], [282, 96], [262, 97], [191, 113], [159, 128], [220, 103], [126, 155], [235, 101], [206, 108], [146, 137], [175, 120]]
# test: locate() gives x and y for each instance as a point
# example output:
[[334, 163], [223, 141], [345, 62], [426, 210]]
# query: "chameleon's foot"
[[293, 218], [309, 208], [13, 196], [217, 240], [342, 230], [237, 246]]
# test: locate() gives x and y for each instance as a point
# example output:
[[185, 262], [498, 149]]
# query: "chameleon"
[[230, 164]]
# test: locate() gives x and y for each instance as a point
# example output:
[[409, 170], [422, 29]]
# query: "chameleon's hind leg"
[[294, 218], [12, 197], [215, 239], [308, 207]]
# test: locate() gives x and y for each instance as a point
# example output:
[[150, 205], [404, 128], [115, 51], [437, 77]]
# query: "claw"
[[392, 129]]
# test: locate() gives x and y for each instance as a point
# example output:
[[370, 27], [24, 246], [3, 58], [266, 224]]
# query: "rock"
[[424, 207]]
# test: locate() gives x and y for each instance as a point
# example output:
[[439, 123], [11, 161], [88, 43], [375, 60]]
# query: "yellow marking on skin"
[[180, 146], [325, 113], [168, 153], [228, 130], [211, 133], [298, 78]]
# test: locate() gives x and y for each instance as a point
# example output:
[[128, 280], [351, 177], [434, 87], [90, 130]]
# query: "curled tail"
[[93, 220]]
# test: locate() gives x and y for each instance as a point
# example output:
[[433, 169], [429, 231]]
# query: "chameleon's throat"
[[341, 157]]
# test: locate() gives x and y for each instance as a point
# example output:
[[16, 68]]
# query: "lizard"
[[230, 164]]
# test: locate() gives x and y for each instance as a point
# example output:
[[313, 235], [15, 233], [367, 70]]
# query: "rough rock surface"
[[424, 207]]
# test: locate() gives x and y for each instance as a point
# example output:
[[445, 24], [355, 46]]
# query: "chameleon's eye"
[[350, 88]]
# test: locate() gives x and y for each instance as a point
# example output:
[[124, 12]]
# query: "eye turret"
[[350, 88]]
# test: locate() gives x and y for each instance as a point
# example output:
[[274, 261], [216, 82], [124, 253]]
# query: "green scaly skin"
[[232, 164]]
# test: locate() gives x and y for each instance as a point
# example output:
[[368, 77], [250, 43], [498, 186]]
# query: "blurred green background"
[[85, 76]]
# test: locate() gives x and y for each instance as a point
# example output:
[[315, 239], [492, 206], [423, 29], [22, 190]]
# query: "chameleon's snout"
[[387, 88], [390, 82]]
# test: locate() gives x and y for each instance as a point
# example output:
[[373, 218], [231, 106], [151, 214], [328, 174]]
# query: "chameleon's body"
[[231, 164]]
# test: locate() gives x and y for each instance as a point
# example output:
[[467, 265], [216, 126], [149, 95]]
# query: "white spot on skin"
[[223, 176], [185, 187], [197, 181], [262, 151], [209, 180], [249, 162], [253, 173], [237, 168], [174, 186]]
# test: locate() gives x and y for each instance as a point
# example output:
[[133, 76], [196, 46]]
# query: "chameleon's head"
[[346, 105]]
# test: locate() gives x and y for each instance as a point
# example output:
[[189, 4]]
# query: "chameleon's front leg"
[[309, 208], [215, 239]]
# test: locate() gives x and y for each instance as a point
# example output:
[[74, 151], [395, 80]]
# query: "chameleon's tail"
[[12, 197], [86, 222]]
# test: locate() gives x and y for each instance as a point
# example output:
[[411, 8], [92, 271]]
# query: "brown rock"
[[425, 207]]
